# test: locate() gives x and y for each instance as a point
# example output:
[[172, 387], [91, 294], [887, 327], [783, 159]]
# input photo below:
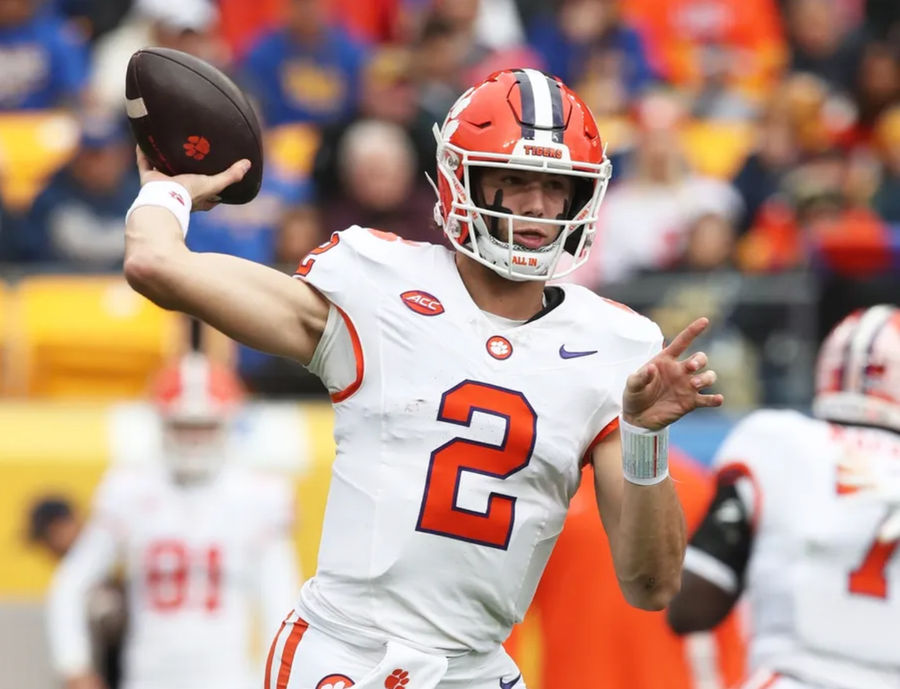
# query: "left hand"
[[665, 389]]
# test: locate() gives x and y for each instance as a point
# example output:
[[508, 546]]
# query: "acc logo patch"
[[499, 347], [335, 682], [422, 303]]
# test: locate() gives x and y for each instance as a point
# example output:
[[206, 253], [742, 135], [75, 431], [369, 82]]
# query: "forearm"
[[649, 542], [252, 303]]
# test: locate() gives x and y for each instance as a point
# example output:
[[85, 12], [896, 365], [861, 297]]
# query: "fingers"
[[704, 380], [641, 378], [710, 400], [683, 340], [696, 361], [142, 162], [228, 177]]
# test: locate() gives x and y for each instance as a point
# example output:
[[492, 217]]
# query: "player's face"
[[194, 451], [532, 194]]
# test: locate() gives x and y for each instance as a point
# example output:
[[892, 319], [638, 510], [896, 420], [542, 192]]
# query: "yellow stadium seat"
[[87, 336], [4, 321], [717, 149], [33, 145]]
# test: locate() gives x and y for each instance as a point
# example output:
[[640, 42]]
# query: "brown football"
[[188, 117]]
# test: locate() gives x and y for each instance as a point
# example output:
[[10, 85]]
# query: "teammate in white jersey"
[[806, 523], [467, 395], [203, 545]]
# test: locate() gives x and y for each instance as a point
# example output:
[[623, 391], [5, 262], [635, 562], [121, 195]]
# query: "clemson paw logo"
[[335, 682], [499, 347], [397, 679], [196, 147]]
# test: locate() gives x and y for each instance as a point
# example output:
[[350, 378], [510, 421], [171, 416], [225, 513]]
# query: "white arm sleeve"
[[86, 565]]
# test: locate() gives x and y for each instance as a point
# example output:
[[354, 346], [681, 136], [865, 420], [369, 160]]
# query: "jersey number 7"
[[869, 578], [440, 512]]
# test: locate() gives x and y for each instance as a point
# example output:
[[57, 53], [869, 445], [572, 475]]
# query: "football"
[[188, 117]]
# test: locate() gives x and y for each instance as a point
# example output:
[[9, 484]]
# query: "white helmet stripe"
[[860, 347], [543, 106], [194, 383]]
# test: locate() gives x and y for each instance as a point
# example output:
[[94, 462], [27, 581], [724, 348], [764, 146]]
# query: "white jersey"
[[459, 437], [824, 592], [199, 563]]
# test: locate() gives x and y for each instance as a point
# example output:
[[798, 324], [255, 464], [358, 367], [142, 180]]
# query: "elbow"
[[650, 592], [145, 272]]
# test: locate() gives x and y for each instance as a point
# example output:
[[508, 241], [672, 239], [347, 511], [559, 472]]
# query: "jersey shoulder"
[[611, 320], [770, 437], [123, 489], [357, 262]]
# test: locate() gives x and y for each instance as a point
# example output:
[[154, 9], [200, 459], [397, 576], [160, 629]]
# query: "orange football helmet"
[[526, 120], [195, 399], [858, 369]]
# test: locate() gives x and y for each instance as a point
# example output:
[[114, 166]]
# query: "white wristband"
[[645, 453], [166, 194]]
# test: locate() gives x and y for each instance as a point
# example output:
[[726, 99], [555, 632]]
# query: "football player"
[[203, 544], [806, 523], [467, 394]]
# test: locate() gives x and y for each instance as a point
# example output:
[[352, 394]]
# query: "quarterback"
[[467, 392], [806, 522]]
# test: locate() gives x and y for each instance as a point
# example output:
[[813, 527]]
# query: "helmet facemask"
[[483, 229]]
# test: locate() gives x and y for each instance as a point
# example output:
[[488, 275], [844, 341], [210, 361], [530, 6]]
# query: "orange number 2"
[[307, 263], [440, 514]]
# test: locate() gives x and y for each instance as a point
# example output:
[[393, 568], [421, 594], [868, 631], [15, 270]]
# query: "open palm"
[[666, 388]]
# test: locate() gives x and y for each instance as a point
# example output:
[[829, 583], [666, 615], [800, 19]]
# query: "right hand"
[[204, 189], [88, 680]]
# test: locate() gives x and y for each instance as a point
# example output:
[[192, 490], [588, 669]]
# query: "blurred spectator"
[[646, 219], [733, 47], [822, 44], [54, 527], [186, 25], [373, 21], [877, 84], [886, 201], [93, 17], [439, 58], [576, 602], [244, 22], [77, 219], [792, 128], [819, 216], [586, 42], [883, 19], [376, 165], [44, 60], [307, 72], [388, 94]]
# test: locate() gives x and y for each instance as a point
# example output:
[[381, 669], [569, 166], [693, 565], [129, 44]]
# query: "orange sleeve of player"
[[584, 626]]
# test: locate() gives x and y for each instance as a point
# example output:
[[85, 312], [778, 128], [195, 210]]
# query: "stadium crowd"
[[750, 138]]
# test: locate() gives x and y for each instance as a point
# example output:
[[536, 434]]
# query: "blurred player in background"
[[201, 540], [806, 521], [467, 394]]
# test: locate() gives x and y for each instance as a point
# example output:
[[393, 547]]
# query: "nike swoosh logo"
[[508, 685], [566, 354]]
